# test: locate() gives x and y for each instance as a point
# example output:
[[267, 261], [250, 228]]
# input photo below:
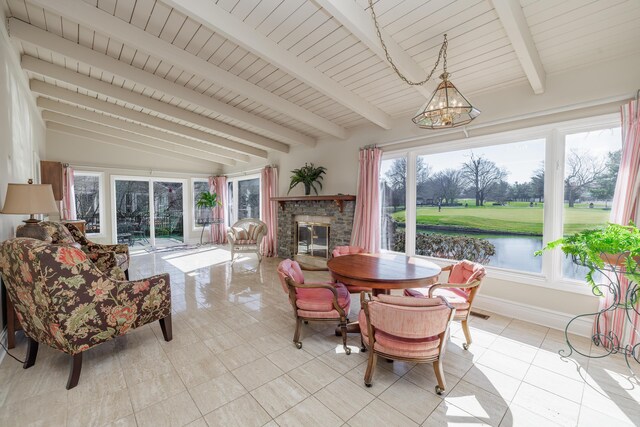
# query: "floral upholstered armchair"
[[246, 237], [64, 301], [106, 257]]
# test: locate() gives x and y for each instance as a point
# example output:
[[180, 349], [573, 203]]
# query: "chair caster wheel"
[[298, 345], [367, 384], [465, 346], [347, 350], [363, 349], [439, 391]]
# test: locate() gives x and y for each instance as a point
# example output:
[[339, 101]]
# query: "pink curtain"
[[269, 209], [68, 194], [366, 221], [218, 185], [625, 208]]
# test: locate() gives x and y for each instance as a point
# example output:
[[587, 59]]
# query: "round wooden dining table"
[[383, 272]]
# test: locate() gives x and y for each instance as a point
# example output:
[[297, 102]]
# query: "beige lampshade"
[[29, 199]]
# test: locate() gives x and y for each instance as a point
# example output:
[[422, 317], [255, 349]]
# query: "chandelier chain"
[[441, 55]]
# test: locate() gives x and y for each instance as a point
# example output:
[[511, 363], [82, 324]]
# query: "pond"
[[512, 252]]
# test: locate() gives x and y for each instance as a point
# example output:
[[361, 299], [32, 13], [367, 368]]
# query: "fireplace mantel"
[[339, 199]]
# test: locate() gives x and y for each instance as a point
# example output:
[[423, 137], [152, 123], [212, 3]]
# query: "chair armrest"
[[231, 236], [473, 284], [447, 267]]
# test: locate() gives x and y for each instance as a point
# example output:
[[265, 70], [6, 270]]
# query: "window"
[[501, 196], [486, 202], [200, 215], [591, 165], [87, 188], [243, 198], [393, 185]]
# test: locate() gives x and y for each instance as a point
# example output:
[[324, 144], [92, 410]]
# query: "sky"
[[521, 159]]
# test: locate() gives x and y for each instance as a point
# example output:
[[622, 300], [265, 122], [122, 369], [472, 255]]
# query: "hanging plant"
[[309, 175]]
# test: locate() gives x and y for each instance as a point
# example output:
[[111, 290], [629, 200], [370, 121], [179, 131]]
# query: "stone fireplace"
[[310, 227]]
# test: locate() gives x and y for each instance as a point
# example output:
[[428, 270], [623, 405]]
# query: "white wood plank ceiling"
[[238, 78]]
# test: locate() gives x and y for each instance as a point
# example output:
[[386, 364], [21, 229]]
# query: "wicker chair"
[[246, 237]]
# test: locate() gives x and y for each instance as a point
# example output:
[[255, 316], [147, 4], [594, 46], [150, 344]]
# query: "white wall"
[[22, 133], [595, 90]]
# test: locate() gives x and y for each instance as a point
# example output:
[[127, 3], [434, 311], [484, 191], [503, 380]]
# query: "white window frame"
[[234, 182], [101, 200], [192, 182], [553, 221]]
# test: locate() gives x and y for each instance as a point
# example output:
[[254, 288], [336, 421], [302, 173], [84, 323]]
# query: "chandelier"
[[447, 107]]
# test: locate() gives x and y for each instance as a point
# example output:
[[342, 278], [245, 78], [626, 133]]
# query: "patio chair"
[[314, 301], [465, 278], [404, 328]]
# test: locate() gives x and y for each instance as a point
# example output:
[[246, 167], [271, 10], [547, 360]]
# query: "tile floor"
[[232, 362]]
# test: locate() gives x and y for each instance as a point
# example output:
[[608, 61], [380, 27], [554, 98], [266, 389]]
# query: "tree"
[[482, 174], [537, 183], [447, 185], [397, 178], [520, 192], [582, 170], [605, 186]]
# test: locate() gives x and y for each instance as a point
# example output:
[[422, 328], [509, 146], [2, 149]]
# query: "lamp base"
[[32, 230]]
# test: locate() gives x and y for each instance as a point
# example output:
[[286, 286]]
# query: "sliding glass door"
[[148, 211]]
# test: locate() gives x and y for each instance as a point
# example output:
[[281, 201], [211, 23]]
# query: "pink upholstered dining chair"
[[465, 278], [314, 301], [404, 328], [350, 250]]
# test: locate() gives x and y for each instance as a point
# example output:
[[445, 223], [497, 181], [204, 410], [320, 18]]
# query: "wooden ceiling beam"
[[119, 128], [130, 35], [517, 29], [85, 101], [111, 140], [44, 40], [211, 15], [359, 22]]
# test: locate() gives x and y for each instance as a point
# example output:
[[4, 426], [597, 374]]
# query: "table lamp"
[[31, 199]]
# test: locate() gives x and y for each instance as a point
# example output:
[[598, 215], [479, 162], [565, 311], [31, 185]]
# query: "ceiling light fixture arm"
[[442, 55]]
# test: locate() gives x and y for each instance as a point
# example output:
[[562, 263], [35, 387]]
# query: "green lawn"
[[514, 218]]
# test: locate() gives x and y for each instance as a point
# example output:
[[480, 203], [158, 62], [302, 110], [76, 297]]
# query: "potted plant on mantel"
[[207, 200], [309, 175], [613, 245]]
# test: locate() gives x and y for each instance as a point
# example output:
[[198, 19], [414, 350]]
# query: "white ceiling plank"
[[64, 113], [360, 24], [515, 24], [213, 16], [85, 101], [201, 144], [33, 35], [164, 149], [131, 35], [141, 101]]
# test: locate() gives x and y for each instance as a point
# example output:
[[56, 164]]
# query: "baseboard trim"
[[534, 314]]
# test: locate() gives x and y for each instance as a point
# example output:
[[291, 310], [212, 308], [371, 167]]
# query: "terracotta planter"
[[617, 259]]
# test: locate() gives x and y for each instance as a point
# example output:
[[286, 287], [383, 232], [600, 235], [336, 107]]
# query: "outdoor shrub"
[[448, 247]]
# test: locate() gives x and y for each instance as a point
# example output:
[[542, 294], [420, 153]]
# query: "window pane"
[[393, 185], [484, 204], [87, 189], [201, 215], [232, 219], [591, 167], [249, 198]]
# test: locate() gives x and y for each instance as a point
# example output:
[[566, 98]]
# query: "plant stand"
[[611, 272], [212, 222]]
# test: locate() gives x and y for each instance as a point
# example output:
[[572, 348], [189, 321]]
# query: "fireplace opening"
[[312, 239]]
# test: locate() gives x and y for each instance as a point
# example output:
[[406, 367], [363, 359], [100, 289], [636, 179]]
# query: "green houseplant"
[[595, 248], [309, 175], [207, 200]]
